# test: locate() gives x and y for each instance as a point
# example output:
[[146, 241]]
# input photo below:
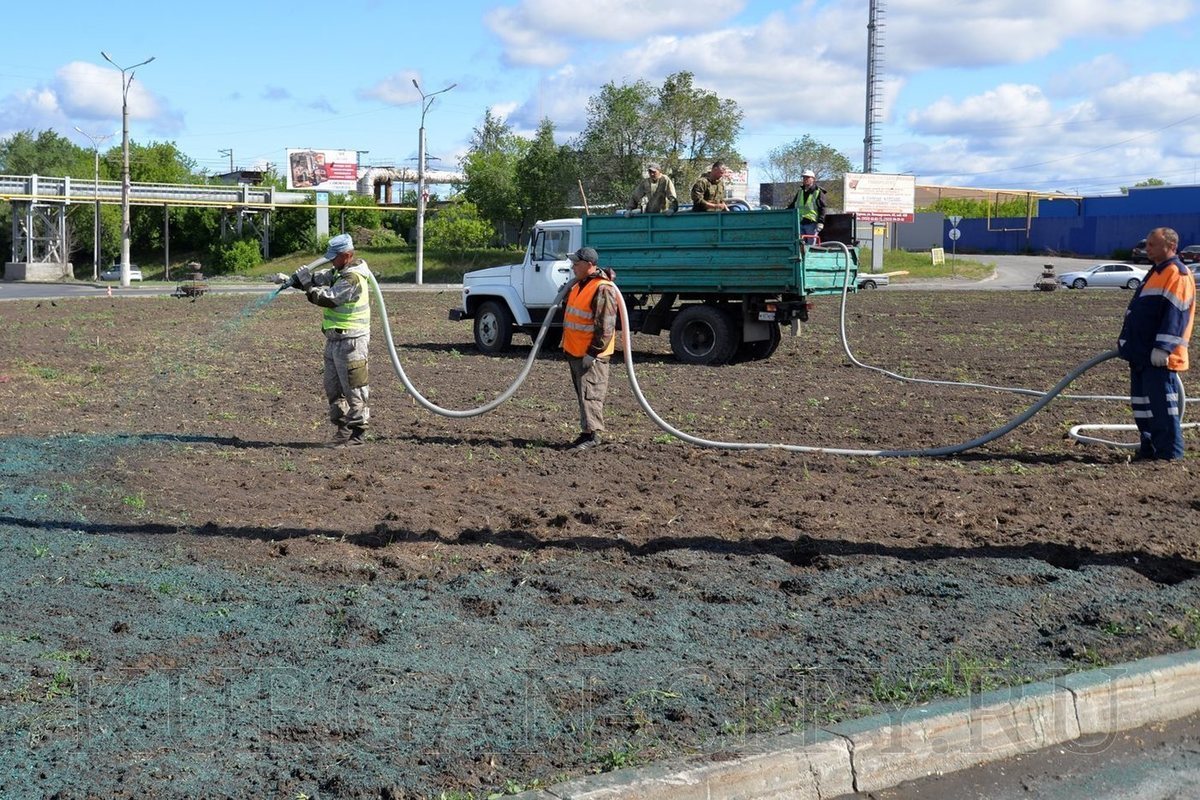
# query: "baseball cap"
[[584, 254], [653, 166], [342, 243]]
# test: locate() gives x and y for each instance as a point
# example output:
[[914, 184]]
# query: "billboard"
[[322, 170], [880, 198]]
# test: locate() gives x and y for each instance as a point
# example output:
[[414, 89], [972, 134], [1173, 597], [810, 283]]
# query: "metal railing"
[[42, 189]]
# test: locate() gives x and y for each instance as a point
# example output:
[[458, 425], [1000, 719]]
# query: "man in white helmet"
[[811, 202], [343, 291]]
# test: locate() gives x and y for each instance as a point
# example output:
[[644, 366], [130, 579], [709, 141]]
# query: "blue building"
[[1104, 227]]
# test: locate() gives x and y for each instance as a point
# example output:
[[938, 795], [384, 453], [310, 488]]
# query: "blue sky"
[[1079, 96]]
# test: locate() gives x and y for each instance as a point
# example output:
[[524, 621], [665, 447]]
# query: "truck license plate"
[[766, 316]]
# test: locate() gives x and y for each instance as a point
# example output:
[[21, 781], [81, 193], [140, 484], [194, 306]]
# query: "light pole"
[[426, 102], [96, 140], [126, 82]]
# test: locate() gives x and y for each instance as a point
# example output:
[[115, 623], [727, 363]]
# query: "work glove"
[[587, 362], [302, 278], [820, 227], [1158, 357], [281, 277]]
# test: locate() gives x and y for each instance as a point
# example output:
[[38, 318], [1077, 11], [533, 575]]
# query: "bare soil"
[[201, 600]]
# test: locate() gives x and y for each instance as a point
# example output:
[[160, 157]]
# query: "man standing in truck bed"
[[811, 202], [708, 193], [655, 194], [589, 339]]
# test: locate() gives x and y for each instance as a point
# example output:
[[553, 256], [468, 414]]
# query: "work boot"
[[585, 441], [358, 436], [340, 438]]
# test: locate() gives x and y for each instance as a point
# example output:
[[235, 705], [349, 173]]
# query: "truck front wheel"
[[493, 327], [703, 335]]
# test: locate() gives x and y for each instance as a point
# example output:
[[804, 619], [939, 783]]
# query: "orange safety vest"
[[579, 321]]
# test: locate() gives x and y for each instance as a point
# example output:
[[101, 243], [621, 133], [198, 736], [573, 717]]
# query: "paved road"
[[1012, 272], [1158, 762]]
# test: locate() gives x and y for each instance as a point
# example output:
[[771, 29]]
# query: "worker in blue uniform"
[[1154, 340]]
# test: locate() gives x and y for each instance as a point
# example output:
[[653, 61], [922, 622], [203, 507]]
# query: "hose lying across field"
[[1044, 398]]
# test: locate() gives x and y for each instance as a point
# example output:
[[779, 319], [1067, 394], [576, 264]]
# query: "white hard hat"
[[808, 173]]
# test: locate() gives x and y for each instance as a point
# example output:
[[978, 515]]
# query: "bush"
[[240, 255], [376, 237], [458, 227]]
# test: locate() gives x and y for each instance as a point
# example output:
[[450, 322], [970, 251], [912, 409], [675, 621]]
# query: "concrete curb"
[[882, 751]]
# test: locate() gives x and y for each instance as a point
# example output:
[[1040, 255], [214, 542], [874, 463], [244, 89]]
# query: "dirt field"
[[202, 601]]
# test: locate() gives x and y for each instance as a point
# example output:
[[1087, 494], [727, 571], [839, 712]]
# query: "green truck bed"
[[750, 252]]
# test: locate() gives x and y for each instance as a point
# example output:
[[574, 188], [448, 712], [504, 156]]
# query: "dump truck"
[[720, 284]]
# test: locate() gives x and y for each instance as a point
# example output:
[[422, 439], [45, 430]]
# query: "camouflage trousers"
[[346, 381], [591, 387]]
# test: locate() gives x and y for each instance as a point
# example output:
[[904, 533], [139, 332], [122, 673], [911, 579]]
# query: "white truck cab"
[[517, 296]]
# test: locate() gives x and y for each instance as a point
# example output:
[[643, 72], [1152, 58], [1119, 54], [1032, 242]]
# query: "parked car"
[[113, 273], [1119, 275], [871, 280], [1190, 254], [1138, 254]]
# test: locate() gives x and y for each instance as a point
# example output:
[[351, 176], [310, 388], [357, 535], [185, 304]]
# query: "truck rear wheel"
[[493, 327], [703, 335], [762, 349]]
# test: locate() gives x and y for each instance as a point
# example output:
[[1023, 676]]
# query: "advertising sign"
[[880, 198], [323, 170]]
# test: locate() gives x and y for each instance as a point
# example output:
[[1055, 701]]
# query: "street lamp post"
[[426, 102], [126, 82], [96, 140]]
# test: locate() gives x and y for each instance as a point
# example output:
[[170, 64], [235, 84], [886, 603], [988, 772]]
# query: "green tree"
[[541, 178], [786, 162], [616, 142], [1147, 182], [45, 153], [972, 208], [678, 125], [490, 171], [693, 127], [457, 227]]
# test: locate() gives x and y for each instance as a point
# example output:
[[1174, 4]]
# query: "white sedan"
[[113, 273], [1122, 276]]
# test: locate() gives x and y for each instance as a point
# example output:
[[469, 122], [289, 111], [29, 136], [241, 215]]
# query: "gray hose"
[[627, 345], [842, 451], [486, 407]]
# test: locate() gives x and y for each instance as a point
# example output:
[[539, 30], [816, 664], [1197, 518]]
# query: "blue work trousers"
[[1154, 395]]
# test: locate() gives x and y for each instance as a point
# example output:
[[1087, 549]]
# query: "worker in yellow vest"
[[343, 291], [589, 339]]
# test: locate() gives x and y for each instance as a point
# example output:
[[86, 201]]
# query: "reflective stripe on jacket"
[[1160, 316], [354, 315], [579, 318], [808, 204]]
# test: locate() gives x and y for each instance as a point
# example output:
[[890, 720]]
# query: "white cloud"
[[84, 94], [89, 91], [922, 34], [994, 113], [396, 90], [543, 32], [1090, 76]]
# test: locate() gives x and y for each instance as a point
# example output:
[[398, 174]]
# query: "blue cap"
[[342, 243]]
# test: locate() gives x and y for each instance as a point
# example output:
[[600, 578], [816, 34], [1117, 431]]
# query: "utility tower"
[[874, 93]]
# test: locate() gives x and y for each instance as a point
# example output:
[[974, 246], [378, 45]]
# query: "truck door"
[[548, 267]]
